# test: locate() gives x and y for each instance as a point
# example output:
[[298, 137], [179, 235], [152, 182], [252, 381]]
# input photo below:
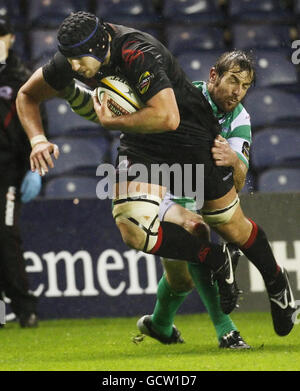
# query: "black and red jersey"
[[149, 68]]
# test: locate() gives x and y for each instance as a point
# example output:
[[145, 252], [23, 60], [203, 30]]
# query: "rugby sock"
[[167, 304], [209, 295], [175, 242], [258, 250]]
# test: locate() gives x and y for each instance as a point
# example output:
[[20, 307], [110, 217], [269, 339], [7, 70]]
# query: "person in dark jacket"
[[17, 183]]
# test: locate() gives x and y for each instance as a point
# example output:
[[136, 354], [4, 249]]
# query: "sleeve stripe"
[[243, 131], [243, 159]]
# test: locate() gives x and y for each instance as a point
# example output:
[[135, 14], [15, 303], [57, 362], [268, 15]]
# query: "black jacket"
[[14, 144]]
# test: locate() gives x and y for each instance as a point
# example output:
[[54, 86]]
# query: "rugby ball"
[[122, 99]]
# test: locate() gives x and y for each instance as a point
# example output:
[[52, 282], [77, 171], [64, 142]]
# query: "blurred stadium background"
[[78, 226], [197, 32]]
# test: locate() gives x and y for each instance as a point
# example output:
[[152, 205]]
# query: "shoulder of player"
[[240, 117]]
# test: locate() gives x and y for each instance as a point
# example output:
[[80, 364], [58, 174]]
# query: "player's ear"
[[213, 75]]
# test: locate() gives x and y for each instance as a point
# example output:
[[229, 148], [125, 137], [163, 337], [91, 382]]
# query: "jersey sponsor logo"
[[227, 177], [246, 150], [144, 82], [131, 55]]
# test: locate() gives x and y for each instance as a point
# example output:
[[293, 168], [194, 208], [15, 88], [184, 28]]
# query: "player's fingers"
[[104, 101], [219, 162], [217, 156], [37, 165], [55, 151], [219, 142], [214, 150], [48, 159], [97, 105], [32, 164], [220, 138], [42, 163]]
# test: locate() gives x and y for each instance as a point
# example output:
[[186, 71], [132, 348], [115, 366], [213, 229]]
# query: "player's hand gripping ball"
[[121, 97]]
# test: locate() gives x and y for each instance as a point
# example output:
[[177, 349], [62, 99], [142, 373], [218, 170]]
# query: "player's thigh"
[[177, 275]]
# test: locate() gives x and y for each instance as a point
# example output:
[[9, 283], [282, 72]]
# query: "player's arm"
[[29, 98], [160, 114], [80, 99], [225, 156], [239, 175]]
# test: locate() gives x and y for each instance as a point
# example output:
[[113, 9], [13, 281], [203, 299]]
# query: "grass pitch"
[[106, 345]]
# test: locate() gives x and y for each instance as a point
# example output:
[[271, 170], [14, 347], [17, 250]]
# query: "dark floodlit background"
[[197, 32]]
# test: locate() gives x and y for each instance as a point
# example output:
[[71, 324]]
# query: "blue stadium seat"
[[43, 43], [197, 64], [275, 147], [260, 36], [297, 7], [183, 38], [275, 68], [269, 106], [259, 11], [250, 183], [80, 155], [50, 13], [193, 11], [62, 120], [13, 8], [46, 57], [152, 30], [70, 187], [279, 180], [126, 12]]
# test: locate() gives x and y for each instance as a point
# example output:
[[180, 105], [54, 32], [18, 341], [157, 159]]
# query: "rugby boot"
[[235, 254], [283, 305], [144, 324], [233, 340], [228, 289]]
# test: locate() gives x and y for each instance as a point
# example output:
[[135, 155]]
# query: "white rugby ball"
[[122, 99]]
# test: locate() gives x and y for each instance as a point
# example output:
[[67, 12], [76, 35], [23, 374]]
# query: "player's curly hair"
[[80, 33], [243, 60]]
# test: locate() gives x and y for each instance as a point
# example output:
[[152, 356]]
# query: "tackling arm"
[[225, 156], [239, 174]]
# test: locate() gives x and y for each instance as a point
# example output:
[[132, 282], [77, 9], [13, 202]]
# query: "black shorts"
[[189, 145], [185, 172]]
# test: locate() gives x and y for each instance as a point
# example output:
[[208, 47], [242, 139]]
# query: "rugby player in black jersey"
[[176, 125]]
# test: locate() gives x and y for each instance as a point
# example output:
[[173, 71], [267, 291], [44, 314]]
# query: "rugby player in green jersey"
[[231, 148]]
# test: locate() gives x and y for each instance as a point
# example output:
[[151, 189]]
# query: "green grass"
[[105, 345]]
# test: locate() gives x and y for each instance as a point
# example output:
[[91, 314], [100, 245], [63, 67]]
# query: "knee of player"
[[129, 236], [182, 284], [197, 227]]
